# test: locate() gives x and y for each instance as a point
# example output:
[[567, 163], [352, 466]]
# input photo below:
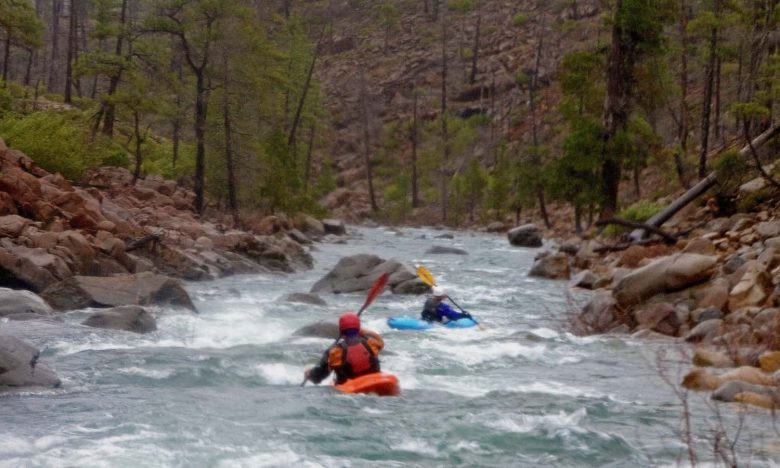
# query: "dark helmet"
[[349, 321]]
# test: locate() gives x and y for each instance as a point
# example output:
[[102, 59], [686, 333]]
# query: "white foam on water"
[[491, 351], [408, 444], [369, 410], [279, 373], [556, 388], [545, 333], [524, 423], [469, 446], [149, 373]]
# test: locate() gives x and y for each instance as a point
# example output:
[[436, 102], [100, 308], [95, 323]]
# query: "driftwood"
[[668, 238], [138, 243], [701, 187]]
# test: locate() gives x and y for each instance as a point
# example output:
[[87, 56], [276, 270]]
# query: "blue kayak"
[[412, 323]]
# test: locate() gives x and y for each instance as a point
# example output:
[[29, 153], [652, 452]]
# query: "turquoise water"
[[222, 388]]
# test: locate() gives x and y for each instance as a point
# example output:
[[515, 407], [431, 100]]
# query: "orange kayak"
[[378, 383]]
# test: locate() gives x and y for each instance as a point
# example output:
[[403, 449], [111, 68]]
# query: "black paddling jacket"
[[350, 357]]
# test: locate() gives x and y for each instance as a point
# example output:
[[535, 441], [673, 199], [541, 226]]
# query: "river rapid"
[[222, 388]]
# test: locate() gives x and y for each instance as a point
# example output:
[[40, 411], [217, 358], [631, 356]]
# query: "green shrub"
[[732, 170], [519, 19], [462, 6], [60, 142], [640, 212]]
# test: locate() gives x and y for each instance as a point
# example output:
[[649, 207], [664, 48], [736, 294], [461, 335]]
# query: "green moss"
[[640, 211]]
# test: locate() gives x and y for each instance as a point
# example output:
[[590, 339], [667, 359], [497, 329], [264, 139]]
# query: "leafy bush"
[[60, 142], [732, 170], [640, 212], [519, 19]]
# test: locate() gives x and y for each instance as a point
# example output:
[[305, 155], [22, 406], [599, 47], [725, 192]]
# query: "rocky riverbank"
[[106, 242], [715, 288]]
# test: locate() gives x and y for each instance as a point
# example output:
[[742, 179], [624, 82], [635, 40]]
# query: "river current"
[[222, 388]]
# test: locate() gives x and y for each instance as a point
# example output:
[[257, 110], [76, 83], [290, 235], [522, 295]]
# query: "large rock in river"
[[527, 235], [16, 302], [319, 329], [358, 272], [140, 289], [551, 265], [129, 318], [665, 274], [19, 366]]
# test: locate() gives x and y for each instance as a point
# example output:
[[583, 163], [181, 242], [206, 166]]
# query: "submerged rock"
[[14, 302], [139, 289], [358, 272], [303, 298], [19, 366], [129, 318], [319, 329], [437, 249]]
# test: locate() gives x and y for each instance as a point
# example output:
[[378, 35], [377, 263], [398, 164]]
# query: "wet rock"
[[129, 318], [29, 268], [700, 315], [437, 249], [704, 331], [145, 288], [665, 274], [334, 226], [584, 279], [527, 235], [745, 392], [298, 236], [303, 298], [444, 236], [412, 286], [19, 366], [600, 313], [551, 265], [22, 302], [358, 273], [319, 329], [659, 317]]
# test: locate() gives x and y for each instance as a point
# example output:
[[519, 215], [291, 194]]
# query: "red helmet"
[[349, 321]]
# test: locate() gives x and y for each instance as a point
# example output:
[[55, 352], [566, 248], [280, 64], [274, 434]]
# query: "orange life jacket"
[[352, 357]]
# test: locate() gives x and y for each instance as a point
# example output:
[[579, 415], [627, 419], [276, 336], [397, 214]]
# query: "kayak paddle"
[[376, 290], [427, 278]]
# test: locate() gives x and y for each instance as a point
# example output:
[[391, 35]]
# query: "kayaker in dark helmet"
[[436, 310], [354, 354]]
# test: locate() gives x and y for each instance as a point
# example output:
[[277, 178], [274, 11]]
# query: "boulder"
[[412, 286], [769, 361], [527, 235], [29, 268], [303, 298], [665, 274], [19, 366], [440, 236], [713, 294], [319, 329], [551, 265], [733, 264], [705, 357], [584, 279], [358, 272], [704, 331], [334, 226], [659, 317], [753, 288], [737, 391], [437, 249], [22, 302], [700, 315], [310, 226], [129, 318], [600, 313], [298, 236], [701, 246], [768, 229], [12, 225], [138, 289]]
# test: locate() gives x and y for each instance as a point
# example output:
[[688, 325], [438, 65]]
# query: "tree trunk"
[[537, 162], [367, 143], [577, 218], [620, 63], [232, 199], [445, 138], [707, 104], [415, 195], [138, 142], [6, 57], [109, 108], [71, 53], [28, 69], [717, 125], [53, 81], [682, 129], [309, 151], [201, 107], [297, 118], [475, 53]]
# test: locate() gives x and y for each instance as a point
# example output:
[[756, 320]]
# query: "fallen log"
[[698, 189]]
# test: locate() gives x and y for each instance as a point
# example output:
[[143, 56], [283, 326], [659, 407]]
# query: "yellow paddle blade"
[[426, 276]]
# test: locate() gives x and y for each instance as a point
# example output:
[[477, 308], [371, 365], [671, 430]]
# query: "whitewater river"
[[222, 388]]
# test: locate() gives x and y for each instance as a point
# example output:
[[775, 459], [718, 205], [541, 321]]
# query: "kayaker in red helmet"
[[356, 353]]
